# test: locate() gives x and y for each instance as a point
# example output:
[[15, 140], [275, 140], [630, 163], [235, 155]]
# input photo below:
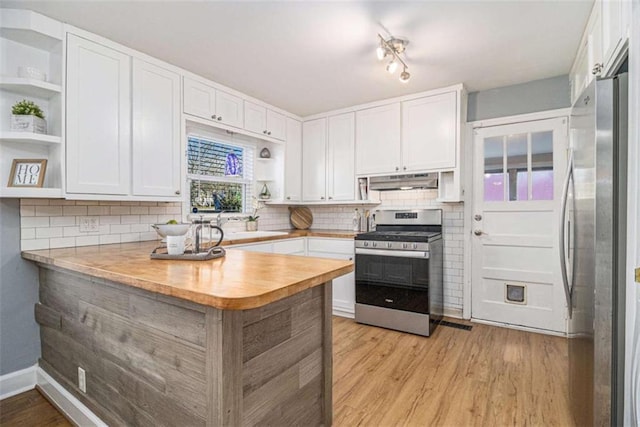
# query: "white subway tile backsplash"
[[120, 228], [27, 210], [120, 210], [79, 210], [108, 239], [27, 233], [110, 219], [61, 221], [98, 210], [34, 221], [48, 210], [34, 244], [62, 242], [47, 233], [131, 221], [139, 210], [87, 240]]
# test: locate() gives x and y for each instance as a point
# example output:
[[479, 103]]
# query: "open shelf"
[[31, 192], [30, 87], [30, 138]]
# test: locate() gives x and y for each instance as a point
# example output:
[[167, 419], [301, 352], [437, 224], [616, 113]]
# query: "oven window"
[[392, 271]]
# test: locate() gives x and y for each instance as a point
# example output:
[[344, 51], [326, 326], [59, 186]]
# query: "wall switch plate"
[[88, 224], [82, 380]]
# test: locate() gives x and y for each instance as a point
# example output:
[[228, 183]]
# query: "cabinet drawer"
[[337, 246], [289, 246], [258, 247]]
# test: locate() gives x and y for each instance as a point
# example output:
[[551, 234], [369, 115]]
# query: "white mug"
[[175, 245]]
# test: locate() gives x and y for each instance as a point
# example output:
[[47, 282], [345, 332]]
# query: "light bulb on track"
[[405, 76], [392, 66]]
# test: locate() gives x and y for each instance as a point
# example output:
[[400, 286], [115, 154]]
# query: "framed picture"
[[27, 173]]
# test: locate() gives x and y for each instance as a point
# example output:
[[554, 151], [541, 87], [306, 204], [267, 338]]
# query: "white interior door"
[[518, 172]]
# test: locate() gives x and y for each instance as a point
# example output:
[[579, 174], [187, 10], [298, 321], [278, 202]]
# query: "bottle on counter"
[[356, 220]]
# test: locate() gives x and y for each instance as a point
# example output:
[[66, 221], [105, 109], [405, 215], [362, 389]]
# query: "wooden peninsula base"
[[152, 359]]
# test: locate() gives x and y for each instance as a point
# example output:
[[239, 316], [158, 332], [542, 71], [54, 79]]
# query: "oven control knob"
[[389, 244], [405, 245], [415, 246], [375, 244], [366, 243]]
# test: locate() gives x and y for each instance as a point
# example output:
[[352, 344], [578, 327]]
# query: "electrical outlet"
[[88, 224], [82, 380]]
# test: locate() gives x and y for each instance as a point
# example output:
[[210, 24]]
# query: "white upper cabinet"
[[229, 109], [616, 21], [429, 132], [378, 140], [206, 102], [276, 125], [156, 131], [293, 160], [98, 118], [341, 157], [314, 160], [264, 121], [199, 99], [255, 118]]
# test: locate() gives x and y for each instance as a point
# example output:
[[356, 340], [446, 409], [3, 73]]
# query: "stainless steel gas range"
[[399, 271]]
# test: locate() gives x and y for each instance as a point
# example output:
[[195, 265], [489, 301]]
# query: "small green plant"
[[27, 108]]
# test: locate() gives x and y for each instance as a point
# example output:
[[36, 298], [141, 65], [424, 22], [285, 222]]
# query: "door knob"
[[219, 118], [397, 168], [477, 217], [269, 133], [214, 117], [477, 232], [177, 192], [264, 131]]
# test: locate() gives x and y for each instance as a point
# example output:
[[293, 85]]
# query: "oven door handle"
[[399, 254]]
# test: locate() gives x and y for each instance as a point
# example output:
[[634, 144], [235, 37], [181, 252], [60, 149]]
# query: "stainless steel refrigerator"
[[592, 251]]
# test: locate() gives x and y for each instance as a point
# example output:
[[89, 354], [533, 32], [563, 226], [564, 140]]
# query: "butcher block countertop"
[[239, 281]]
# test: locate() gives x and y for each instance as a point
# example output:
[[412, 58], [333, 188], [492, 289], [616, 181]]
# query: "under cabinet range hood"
[[404, 182]]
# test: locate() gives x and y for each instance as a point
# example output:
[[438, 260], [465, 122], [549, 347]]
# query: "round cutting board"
[[301, 217]]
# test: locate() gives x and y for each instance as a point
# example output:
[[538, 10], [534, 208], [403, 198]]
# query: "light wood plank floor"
[[485, 377], [489, 376], [30, 409]]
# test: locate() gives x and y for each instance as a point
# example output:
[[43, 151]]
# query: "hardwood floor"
[[488, 376], [30, 409]]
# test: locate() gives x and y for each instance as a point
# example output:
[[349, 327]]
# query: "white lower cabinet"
[[344, 287], [289, 247], [344, 290]]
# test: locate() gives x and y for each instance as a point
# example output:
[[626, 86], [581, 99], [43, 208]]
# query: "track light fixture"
[[394, 47]]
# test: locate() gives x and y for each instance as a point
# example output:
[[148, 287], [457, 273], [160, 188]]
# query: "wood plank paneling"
[[155, 361]]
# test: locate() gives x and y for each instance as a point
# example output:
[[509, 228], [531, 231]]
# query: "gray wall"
[[530, 97], [19, 333]]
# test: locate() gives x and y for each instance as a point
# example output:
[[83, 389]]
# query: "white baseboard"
[[68, 404], [520, 328], [343, 310], [453, 312], [18, 382]]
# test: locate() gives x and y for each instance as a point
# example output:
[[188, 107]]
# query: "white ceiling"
[[309, 57]]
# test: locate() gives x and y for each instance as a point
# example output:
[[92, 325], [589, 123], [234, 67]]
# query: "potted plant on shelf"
[[27, 116], [252, 220]]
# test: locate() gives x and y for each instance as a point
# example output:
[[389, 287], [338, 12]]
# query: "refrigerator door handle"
[[563, 213]]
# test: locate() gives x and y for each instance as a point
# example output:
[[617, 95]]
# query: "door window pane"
[[493, 169], [542, 165], [517, 166]]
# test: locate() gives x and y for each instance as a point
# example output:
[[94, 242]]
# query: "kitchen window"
[[518, 167], [219, 174]]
